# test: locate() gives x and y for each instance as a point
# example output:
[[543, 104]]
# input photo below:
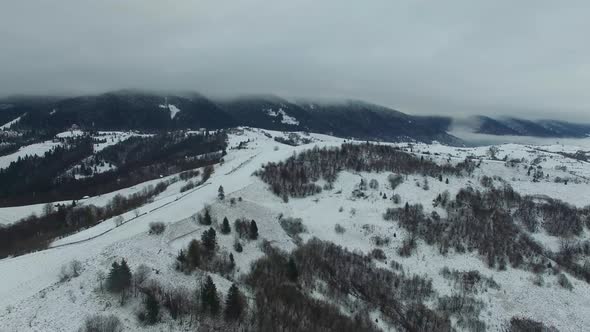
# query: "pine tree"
[[232, 262], [220, 193], [181, 260], [447, 181], [209, 239], [152, 308], [206, 219], [194, 254], [253, 230], [119, 279], [225, 228], [292, 272], [209, 297], [234, 304], [113, 277], [238, 246], [125, 275]]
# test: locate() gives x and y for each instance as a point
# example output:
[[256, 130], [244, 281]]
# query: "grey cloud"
[[430, 57]]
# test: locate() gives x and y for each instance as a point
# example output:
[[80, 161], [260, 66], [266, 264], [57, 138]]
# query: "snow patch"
[[172, 108], [285, 118], [70, 133]]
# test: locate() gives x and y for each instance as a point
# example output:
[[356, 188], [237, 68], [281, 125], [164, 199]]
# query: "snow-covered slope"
[[37, 149], [7, 125], [33, 299]]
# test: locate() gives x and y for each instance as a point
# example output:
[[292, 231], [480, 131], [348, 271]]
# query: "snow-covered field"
[[33, 299], [37, 149]]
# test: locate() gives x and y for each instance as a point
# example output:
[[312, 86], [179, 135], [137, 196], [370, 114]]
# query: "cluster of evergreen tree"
[[246, 229], [204, 304], [31, 178], [119, 279], [204, 255], [297, 175]]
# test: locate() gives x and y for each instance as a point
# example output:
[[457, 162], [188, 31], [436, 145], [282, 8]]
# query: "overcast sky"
[[530, 58]]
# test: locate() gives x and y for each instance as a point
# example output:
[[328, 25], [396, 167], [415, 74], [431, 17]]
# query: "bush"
[[395, 180], [188, 186], [521, 324], [380, 241], [157, 227], [564, 282], [407, 247], [339, 229], [378, 254], [70, 270], [374, 184], [238, 246], [293, 226], [538, 280], [99, 323], [205, 219]]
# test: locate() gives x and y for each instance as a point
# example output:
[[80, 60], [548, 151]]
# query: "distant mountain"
[[130, 109], [519, 127], [121, 110], [346, 119]]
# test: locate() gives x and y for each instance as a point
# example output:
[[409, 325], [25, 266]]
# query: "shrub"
[[242, 228], [339, 229], [395, 180], [238, 246], [564, 282], [100, 323], [378, 254], [188, 186], [380, 241], [521, 324], [374, 184], [157, 227], [293, 226], [70, 270], [407, 247]]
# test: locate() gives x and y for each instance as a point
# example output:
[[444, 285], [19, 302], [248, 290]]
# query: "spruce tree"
[[209, 297], [225, 228], [253, 230], [113, 277], [232, 261], [209, 240], [234, 304], [220, 193], [125, 275], [194, 254], [292, 272], [152, 308], [238, 246], [207, 219], [181, 260]]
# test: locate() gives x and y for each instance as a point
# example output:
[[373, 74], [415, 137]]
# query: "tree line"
[[297, 175]]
